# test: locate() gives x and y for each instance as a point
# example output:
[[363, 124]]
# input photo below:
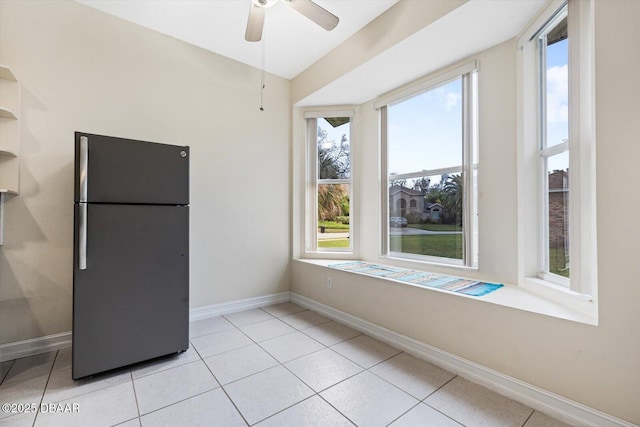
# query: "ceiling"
[[292, 42], [470, 28]]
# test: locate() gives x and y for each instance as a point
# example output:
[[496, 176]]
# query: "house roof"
[[397, 188]]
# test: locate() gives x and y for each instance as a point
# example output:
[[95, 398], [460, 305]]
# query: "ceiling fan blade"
[[255, 23], [317, 14]]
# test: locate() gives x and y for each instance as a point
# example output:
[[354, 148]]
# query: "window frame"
[[580, 290], [311, 194], [468, 73]]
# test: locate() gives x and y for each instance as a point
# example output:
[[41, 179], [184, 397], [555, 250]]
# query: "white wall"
[[84, 70], [594, 365]]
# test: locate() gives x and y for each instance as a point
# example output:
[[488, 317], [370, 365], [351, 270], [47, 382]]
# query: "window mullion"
[[555, 149], [334, 181], [467, 210], [384, 174], [312, 185], [424, 172], [543, 230]]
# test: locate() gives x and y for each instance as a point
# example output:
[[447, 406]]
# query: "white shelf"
[[9, 139], [7, 114], [8, 153], [7, 74]]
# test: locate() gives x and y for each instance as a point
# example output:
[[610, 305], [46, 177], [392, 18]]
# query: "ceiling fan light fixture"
[[264, 3], [308, 8]]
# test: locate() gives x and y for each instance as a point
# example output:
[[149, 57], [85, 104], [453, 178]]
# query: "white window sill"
[[517, 297], [424, 264], [335, 255]]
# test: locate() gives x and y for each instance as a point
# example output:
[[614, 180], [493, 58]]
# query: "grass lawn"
[[557, 262], [446, 245], [436, 227], [333, 227], [334, 243]]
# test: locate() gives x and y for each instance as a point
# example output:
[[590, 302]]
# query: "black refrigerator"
[[131, 252]]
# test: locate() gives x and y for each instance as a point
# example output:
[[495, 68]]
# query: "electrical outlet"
[[329, 283]]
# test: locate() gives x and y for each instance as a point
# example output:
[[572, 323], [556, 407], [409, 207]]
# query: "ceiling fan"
[[311, 10]]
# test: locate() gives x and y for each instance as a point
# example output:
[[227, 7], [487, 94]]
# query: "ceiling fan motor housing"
[[264, 3]]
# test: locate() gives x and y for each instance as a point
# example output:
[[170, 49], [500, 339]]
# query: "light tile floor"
[[277, 366]]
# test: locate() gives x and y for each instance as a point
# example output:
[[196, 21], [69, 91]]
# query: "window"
[[329, 142], [553, 79], [556, 153], [431, 170]]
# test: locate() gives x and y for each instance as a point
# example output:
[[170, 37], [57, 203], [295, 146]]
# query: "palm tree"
[[453, 190], [331, 198]]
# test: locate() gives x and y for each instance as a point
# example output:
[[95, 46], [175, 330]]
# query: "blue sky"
[[425, 132], [557, 101], [335, 134]]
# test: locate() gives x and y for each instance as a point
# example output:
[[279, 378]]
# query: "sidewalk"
[[332, 236]]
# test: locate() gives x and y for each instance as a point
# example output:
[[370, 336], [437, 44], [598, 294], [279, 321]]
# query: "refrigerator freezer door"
[[117, 170], [131, 303]]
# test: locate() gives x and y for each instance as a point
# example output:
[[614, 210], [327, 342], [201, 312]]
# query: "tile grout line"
[[394, 385], [250, 323], [135, 394], [446, 415], [292, 373], [281, 363], [231, 326], [220, 384], [336, 343], [364, 369], [315, 393], [336, 409], [53, 363], [419, 401], [438, 389], [403, 414], [436, 409], [7, 373], [527, 420], [187, 398]]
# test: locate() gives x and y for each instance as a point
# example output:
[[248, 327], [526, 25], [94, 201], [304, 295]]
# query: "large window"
[[431, 171], [556, 160], [329, 139]]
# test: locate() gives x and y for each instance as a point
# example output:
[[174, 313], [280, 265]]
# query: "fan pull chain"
[[262, 72]]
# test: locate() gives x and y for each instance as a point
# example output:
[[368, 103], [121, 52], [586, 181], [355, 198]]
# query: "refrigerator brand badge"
[[183, 153]]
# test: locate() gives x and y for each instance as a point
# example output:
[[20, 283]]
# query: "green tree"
[[334, 160], [421, 184], [453, 190], [332, 199]]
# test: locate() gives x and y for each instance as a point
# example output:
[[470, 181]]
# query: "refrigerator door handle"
[[84, 165], [82, 237]]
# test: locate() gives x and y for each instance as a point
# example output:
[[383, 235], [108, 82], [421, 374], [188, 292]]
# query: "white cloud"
[[452, 100], [557, 94]]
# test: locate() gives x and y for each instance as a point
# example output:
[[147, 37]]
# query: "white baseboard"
[[552, 404], [14, 350], [30, 347], [238, 305]]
